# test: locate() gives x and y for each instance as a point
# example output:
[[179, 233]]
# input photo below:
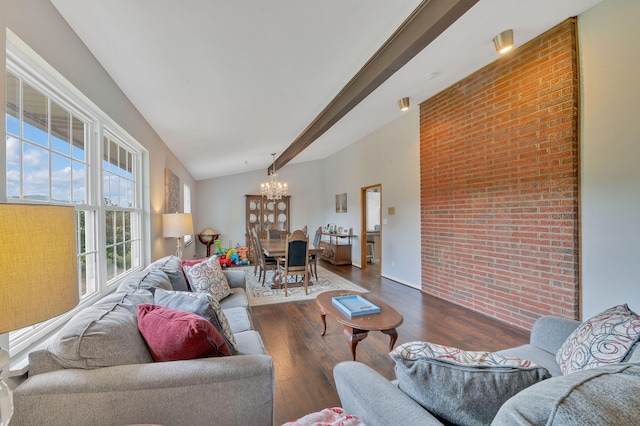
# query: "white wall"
[[389, 156], [221, 201], [40, 26], [610, 156]]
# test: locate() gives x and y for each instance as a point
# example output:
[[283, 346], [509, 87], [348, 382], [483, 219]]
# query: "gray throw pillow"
[[171, 266], [98, 336], [145, 280], [461, 387], [608, 395], [199, 304]]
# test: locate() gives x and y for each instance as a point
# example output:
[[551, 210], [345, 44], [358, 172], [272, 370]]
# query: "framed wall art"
[[341, 203], [171, 192]]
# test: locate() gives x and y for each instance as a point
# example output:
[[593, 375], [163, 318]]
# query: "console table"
[[336, 249]]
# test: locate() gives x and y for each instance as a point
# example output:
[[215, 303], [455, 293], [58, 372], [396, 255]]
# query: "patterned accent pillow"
[[461, 387], [208, 277], [201, 304], [601, 340], [334, 416]]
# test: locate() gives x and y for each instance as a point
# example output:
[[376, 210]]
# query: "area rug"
[[264, 295]]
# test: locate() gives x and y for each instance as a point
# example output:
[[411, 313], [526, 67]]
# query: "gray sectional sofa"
[[98, 370], [607, 395]]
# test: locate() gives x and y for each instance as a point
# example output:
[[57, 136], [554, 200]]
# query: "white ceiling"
[[226, 83]]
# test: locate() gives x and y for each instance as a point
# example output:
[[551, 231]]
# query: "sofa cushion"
[[461, 387], [239, 319], [171, 266], [199, 304], [250, 343], [207, 276], [174, 335], [101, 335], [145, 280], [237, 298], [608, 395], [603, 339]]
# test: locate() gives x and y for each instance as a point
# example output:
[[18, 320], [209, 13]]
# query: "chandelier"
[[273, 189]]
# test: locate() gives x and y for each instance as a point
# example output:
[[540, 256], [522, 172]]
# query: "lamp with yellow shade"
[[177, 225], [36, 284]]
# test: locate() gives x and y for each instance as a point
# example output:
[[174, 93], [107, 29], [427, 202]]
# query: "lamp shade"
[[38, 281], [177, 225]]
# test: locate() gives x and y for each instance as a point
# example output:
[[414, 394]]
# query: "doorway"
[[371, 231]]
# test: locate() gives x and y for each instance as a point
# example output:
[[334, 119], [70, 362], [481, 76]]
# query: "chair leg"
[[286, 284], [306, 283]]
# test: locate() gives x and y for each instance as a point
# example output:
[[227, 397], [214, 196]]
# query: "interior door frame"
[[363, 224]]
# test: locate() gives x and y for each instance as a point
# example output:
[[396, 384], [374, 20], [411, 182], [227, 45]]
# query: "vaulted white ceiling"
[[226, 83]]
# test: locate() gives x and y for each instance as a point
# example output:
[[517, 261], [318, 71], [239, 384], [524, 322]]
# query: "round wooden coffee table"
[[357, 327]]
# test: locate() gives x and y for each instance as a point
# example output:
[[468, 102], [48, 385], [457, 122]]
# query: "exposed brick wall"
[[499, 185]]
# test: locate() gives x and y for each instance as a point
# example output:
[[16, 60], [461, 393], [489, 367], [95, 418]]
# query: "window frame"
[[22, 62]]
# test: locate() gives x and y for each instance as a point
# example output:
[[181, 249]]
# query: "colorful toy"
[[242, 252], [217, 243]]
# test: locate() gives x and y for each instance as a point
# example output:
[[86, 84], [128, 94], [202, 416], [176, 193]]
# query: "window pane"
[[123, 193], [13, 104], [35, 115], [109, 226], [120, 259], [13, 167], [35, 166], [60, 129], [111, 271], [60, 179], [119, 230], [113, 158], [79, 138], [79, 183]]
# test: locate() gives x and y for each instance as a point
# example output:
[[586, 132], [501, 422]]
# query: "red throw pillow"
[[174, 335], [190, 263]]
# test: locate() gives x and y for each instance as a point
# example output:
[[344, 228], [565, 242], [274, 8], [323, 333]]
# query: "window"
[[54, 155], [187, 209]]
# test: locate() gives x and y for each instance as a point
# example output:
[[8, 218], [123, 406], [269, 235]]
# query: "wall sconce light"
[[503, 41], [403, 104]]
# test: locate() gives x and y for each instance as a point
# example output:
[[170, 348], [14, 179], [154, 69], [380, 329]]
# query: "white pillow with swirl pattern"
[[604, 339]]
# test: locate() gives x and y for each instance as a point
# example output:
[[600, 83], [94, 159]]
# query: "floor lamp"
[[35, 284], [177, 225]]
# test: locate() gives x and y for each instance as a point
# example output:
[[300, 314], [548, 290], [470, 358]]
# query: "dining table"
[[277, 248]]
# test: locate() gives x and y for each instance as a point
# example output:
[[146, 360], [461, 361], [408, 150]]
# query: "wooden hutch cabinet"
[[261, 213]]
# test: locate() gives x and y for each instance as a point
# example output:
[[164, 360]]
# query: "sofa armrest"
[[230, 390], [236, 279], [375, 400], [550, 332]]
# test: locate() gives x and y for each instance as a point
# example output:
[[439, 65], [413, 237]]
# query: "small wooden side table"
[[358, 327]]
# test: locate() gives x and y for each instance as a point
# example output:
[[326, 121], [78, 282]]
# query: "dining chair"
[[313, 258], [253, 249], [264, 263], [295, 261], [274, 233]]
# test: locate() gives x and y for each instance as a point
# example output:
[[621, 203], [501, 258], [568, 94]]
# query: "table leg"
[[354, 335], [324, 322], [393, 334]]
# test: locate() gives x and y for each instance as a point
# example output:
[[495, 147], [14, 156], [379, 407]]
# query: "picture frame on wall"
[[171, 192], [341, 203]]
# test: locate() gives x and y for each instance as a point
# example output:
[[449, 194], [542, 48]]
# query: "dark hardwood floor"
[[304, 360]]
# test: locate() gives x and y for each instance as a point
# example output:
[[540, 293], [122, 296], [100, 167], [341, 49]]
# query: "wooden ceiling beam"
[[430, 19]]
